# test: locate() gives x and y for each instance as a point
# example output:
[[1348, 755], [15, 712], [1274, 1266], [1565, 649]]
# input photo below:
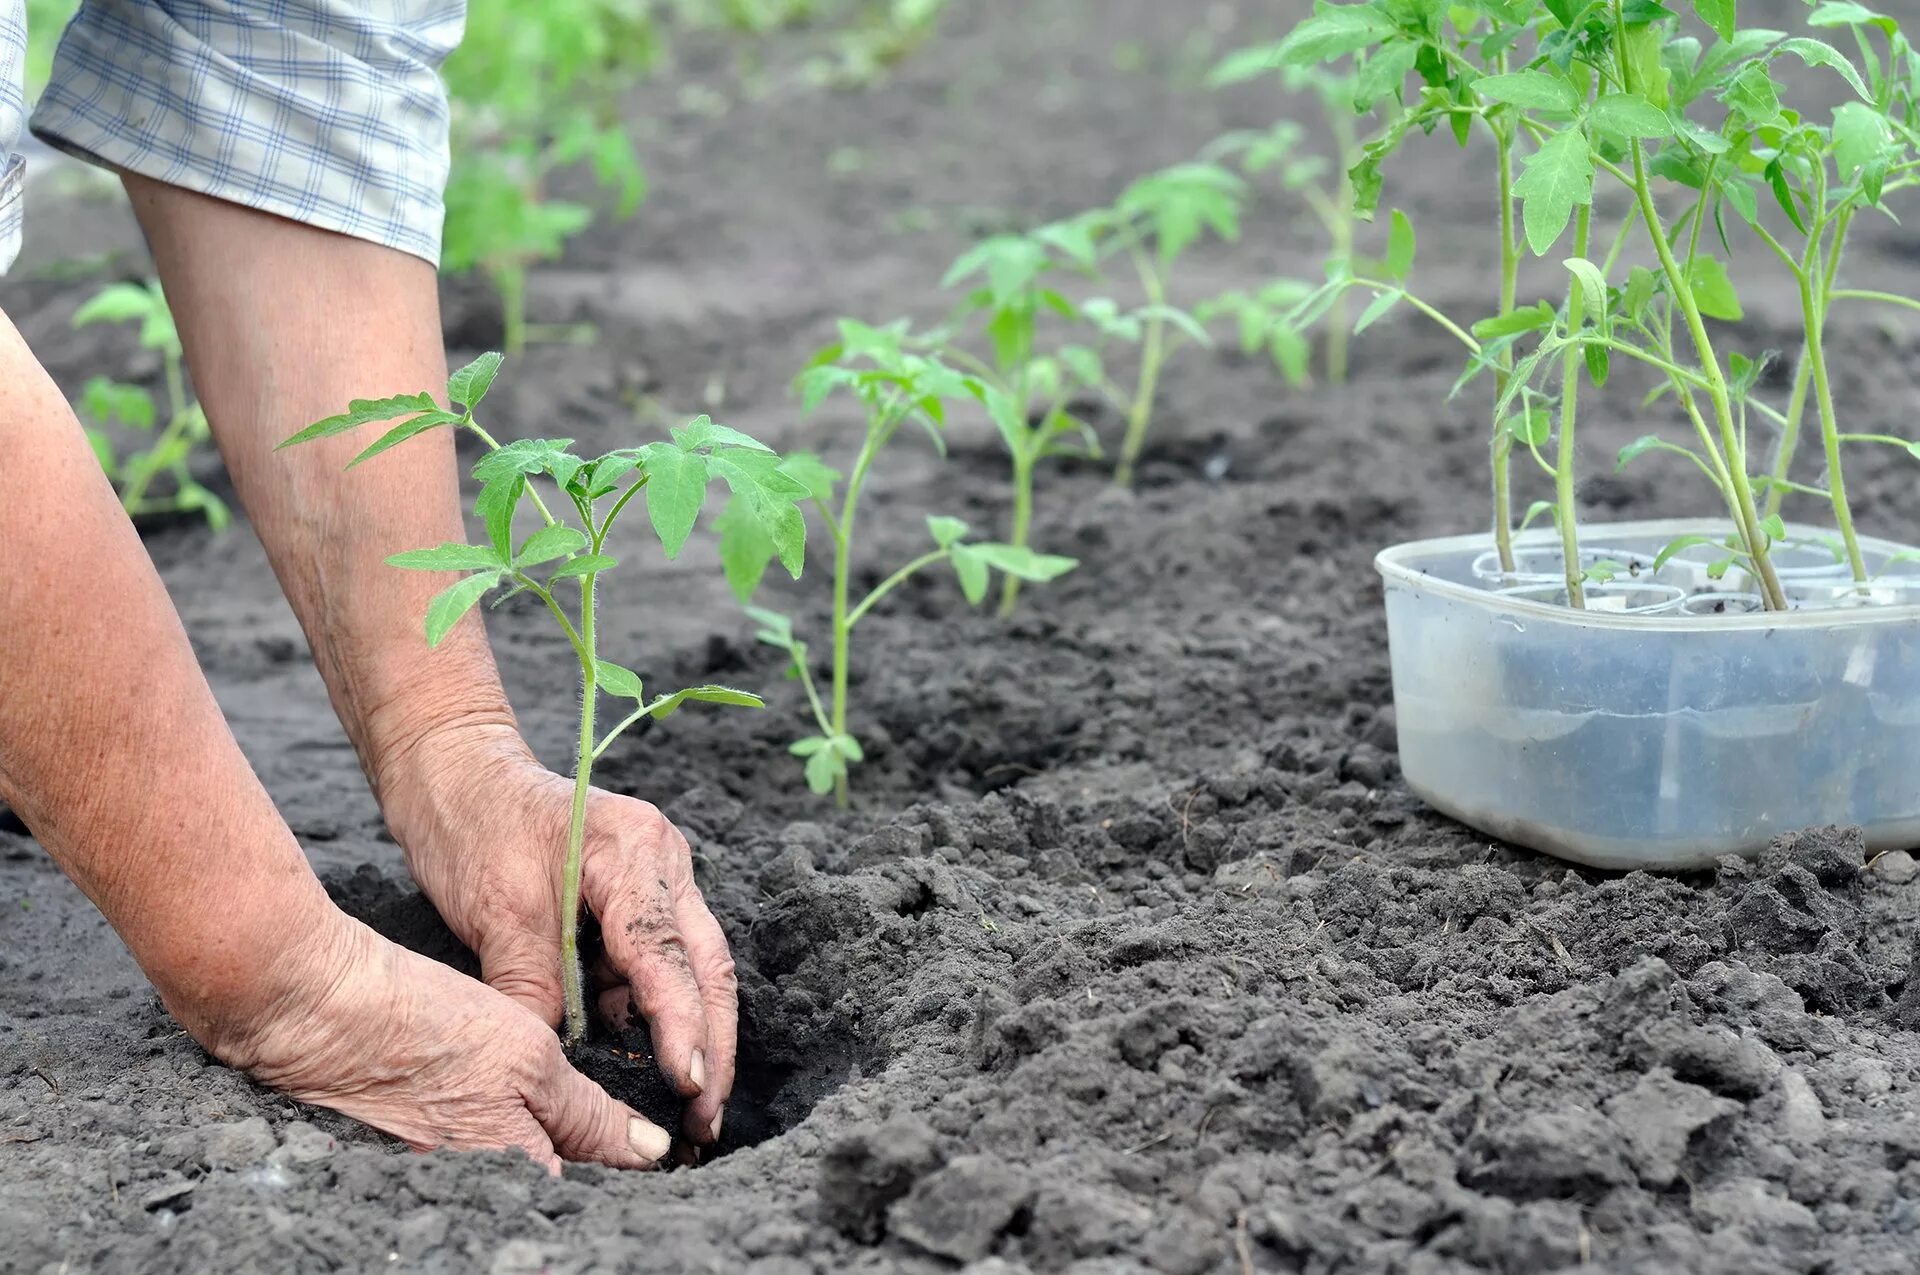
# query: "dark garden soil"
[[1135, 953]]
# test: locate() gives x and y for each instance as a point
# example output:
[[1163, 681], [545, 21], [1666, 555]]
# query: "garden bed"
[[1134, 951]]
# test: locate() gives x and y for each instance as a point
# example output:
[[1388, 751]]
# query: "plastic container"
[[1668, 726]]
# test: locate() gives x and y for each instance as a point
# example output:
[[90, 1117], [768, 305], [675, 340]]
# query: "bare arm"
[[282, 325]]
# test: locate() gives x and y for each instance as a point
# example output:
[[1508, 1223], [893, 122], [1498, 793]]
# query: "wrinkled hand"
[[484, 828], [405, 1044]]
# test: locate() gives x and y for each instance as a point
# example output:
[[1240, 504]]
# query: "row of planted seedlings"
[[1730, 676]]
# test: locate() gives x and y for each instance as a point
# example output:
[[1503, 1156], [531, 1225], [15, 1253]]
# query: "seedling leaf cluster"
[[562, 561]]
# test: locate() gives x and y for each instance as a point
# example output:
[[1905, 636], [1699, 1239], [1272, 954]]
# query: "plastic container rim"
[[1394, 570]]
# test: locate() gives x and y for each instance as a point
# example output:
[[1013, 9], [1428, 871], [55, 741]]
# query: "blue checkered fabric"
[[328, 112], [13, 53]]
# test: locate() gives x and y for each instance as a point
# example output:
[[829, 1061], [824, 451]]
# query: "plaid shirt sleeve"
[[327, 112], [13, 53]]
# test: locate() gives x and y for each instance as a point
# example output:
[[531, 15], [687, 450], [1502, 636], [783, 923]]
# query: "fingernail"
[[697, 1069], [718, 1117], [648, 1139]]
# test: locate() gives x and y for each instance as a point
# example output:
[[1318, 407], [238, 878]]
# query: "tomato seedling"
[[895, 386], [105, 404], [1025, 390], [1575, 90], [565, 558]]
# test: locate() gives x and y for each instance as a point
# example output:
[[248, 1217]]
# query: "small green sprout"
[[106, 404], [897, 387], [565, 557], [1026, 392]]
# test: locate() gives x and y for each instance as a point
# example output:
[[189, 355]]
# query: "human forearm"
[[340, 319], [112, 748]]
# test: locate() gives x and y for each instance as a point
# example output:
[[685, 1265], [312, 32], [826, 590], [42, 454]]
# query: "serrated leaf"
[[364, 411], [1718, 14], [530, 456], [769, 494], [1530, 91], [1753, 95], [470, 384], [1534, 426], [555, 540], [1630, 116], [615, 679], [1332, 33], [449, 557], [1820, 53], [453, 602], [1861, 136], [1558, 179], [495, 505], [676, 492], [405, 430]]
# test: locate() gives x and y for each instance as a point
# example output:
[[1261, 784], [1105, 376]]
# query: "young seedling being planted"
[[1025, 389], [896, 387], [561, 563], [1576, 90], [158, 479]]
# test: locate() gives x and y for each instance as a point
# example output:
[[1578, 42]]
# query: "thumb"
[[519, 965], [586, 1124]]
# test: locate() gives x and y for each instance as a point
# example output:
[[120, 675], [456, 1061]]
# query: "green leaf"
[[364, 411], [1558, 179], [455, 601], [972, 570], [1701, 138], [676, 492], [824, 770], [1718, 14], [1245, 64], [775, 629], [585, 564], [1532, 318], [1377, 309], [667, 705], [117, 303], [1684, 542], [1533, 426], [946, 531], [1753, 95], [1713, 290], [1642, 284], [1593, 288], [1630, 116], [449, 557], [770, 495], [1773, 527], [1599, 364], [809, 746], [1024, 563], [1530, 90], [405, 430], [495, 505], [1861, 136], [530, 456], [616, 680], [555, 540], [1332, 33], [1819, 53], [1400, 247], [470, 384], [1846, 13], [813, 473], [745, 548], [1647, 74]]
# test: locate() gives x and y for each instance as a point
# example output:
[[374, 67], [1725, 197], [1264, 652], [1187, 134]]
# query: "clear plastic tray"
[[1668, 724]]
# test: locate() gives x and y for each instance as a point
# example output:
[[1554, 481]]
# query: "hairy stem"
[[1509, 288], [1152, 353], [571, 973], [1816, 320], [1022, 525], [1563, 464], [1790, 433]]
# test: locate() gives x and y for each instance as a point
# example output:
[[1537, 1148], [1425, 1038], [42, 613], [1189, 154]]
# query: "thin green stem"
[[571, 973], [881, 430], [1790, 433], [893, 582], [1880, 298], [1509, 289], [1564, 459], [1152, 354], [1022, 526], [1816, 319], [493, 446]]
